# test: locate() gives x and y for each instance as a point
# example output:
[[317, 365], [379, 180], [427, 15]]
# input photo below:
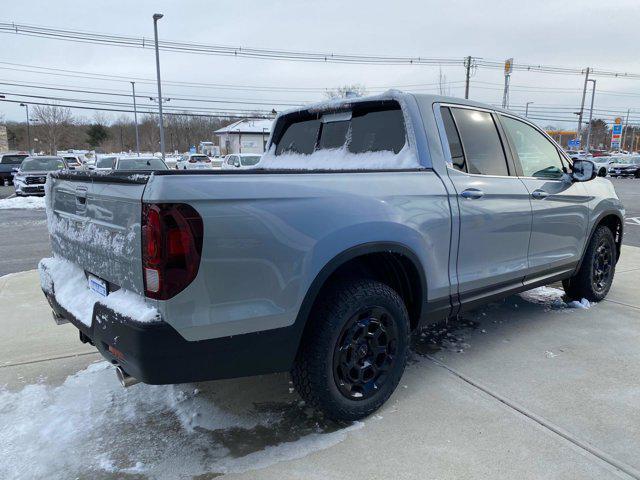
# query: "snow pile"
[[553, 297], [340, 159], [30, 203], [73, 294], [90, 427]]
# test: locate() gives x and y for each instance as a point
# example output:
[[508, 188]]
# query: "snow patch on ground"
[[89, 426], [73, 294], [340, 159], [31, 203], [553, 297]]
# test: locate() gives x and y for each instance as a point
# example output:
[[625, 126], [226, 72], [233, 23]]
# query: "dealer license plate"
[[97, 285]]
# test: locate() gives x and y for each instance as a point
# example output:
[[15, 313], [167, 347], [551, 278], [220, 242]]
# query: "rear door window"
[[481, 144], [455, 145]]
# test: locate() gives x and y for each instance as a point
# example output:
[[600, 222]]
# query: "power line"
[[217, 114], [78, 36]]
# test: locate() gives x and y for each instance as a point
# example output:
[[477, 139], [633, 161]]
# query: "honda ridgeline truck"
[[366, 219]]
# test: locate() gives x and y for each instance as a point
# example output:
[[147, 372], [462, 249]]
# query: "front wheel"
[[602, 172], [354, 349], [593, 280]]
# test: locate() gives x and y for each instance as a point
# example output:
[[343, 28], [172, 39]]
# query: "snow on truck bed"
[[73, 294]]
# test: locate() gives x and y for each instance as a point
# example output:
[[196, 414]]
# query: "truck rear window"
[[366, 128]]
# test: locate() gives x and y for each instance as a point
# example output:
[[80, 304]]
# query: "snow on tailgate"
[[69, 284]]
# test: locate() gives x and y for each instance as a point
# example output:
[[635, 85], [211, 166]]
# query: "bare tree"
[[443, 87], [54, 122], [354, 90]]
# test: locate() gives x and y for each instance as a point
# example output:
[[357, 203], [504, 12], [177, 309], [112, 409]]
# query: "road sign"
[[574, 143], [508, 66], [617, 129], [192, 149]]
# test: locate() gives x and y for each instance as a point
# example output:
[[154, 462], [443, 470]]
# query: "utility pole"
[[526, 109], [135, 117], [581, 112], [156, 17], [593, 94], [28, 128], [624, 129], [467, 65]]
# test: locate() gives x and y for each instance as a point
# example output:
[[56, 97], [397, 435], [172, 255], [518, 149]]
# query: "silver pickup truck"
[[366, 219]]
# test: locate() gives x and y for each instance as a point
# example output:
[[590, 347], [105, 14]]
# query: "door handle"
[[539, 194], [472, 193]]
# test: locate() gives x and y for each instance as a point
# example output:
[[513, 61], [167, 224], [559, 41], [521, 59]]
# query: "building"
[[4, 142], [244, 136]]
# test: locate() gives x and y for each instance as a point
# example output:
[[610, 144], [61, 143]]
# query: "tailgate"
[[95, 223]]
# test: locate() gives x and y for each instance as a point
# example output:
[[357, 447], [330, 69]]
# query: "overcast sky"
[[600, 34]]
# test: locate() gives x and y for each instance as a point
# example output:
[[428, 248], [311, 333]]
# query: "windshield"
[[72, 160], [141, 164], [250, 161], [44, 164], [200, 158], [105, 162], [13, 159], [628, 161]]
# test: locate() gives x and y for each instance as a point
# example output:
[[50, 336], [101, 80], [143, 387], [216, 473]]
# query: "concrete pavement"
[[517, 389]]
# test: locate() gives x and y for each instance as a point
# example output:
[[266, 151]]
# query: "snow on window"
[[341, 159]]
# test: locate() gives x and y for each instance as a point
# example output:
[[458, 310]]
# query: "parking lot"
[[524, 387]]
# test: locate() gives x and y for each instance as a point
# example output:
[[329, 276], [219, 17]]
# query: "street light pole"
[[28, 127], [156, 17], [135, 117], [526, 109], [593, 94]]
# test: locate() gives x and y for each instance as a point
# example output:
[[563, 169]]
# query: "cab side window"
[[475, 145], [537, 155]]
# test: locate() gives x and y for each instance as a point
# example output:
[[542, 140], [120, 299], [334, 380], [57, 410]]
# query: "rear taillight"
[[171, 248]]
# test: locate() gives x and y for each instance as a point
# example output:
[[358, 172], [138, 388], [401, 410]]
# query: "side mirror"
[[236, 164], [14, 170], [583, 171]]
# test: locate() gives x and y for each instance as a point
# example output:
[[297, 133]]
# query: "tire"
[[597, 270], [602, 172], [354, 349]]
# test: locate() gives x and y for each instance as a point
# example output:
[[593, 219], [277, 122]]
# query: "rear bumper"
[[155, 353]]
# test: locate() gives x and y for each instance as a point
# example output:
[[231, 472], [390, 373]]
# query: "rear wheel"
[[602, 172], [595, 276], [354, 350]]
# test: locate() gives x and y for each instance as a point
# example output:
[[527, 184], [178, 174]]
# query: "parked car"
[[241, 161], [193, 161], [8, 163], [627, 166], [367, 219], [31, 175], [73, 161]]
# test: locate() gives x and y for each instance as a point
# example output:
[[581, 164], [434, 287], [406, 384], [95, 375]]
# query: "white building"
[[244, 136]]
